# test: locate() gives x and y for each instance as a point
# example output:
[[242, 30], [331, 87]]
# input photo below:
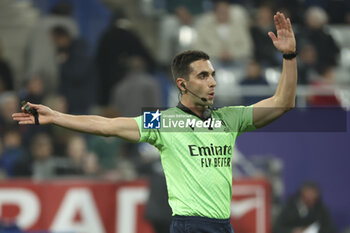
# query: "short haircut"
[[215, 2], [64, 8], [60, 31], [180, 66], [310, 185]]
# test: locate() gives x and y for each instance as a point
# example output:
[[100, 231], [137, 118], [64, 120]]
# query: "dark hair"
[[60, 31], [215, 2], [63, 8], [180, 66], [310, 185]]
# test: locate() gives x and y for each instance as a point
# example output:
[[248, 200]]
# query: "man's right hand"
[[122, 127], [45, 115]]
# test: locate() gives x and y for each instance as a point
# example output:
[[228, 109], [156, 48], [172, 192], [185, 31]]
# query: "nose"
[[212, 82]]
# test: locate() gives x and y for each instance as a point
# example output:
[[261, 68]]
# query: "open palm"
[[285, 39]]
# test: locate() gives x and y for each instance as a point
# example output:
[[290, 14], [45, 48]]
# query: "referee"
[[196, 158]]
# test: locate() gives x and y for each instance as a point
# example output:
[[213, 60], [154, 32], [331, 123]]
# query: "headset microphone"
[[202, 98], [207, 112]]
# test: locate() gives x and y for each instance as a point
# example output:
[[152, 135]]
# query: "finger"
[[289, 25], [36, 106], [277, 23], [272, 36], [282, 20], [20, 114], [27, 122], [22, 119]]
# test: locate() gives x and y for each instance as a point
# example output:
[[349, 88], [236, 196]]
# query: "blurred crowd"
[[123, 75]]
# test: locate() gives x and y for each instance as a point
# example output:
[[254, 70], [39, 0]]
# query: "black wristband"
[[36, 117], [289, 56]]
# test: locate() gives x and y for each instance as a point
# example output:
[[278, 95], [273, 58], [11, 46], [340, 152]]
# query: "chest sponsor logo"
[[212, 155]]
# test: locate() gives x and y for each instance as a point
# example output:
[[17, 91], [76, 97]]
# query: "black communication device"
[[31, 111]]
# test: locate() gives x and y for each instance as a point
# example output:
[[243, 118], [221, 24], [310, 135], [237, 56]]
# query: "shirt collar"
[[189, 111]]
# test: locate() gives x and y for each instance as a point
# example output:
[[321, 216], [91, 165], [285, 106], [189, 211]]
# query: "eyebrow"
[[206, 73]]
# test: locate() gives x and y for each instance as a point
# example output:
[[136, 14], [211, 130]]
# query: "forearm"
[[285, 92], [282, 101], [122, 127], [87, 124]]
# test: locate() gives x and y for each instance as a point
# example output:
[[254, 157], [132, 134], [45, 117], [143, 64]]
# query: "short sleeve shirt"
[[196, 155]]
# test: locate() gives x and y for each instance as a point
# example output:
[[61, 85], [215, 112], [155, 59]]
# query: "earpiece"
[[202, 98]]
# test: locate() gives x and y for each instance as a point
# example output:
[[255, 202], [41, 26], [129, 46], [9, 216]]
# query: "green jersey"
[[196, 157]]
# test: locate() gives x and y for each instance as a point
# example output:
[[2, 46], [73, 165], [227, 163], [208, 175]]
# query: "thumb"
[[36, 106], [272, 36], [28, 107]]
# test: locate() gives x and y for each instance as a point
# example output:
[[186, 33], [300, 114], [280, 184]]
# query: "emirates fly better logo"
[[151, 120]]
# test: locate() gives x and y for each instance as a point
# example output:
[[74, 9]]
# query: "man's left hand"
[[285, 40]]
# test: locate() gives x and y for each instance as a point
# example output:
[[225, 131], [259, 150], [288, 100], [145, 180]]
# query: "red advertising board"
[[105, 207]]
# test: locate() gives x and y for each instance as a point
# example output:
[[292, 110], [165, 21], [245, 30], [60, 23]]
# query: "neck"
[[198, 109]]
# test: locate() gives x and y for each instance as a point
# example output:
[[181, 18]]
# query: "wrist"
[[294, 50], [55, 117], [289, 55]]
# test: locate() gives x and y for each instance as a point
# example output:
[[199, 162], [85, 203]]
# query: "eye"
[[202, 75]]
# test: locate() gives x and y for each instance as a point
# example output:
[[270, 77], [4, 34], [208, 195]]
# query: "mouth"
[[211, 95]]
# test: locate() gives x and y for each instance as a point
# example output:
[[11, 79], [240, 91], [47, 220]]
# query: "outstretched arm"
[[121, 127], [267, 110]]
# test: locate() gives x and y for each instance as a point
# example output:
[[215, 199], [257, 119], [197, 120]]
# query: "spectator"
[[59, 135], [253, 76], [304, 210], [347, 17], [9, 226], [137, 90], [176, 33], [6, 77], [264, 51], [293, 9], [82, 162], [91, 166], [324, 83], [1, 145], [9, 102], [76, 71], [117, 43], [224, 33], [338, 11], [107, 151], [35, 90], [40, 52], [12, 151], [315, 33], [194, 6], [307, 63], [157, 211], [40, 162]]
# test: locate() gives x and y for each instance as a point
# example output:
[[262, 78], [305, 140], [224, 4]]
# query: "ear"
[[179, 83]]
